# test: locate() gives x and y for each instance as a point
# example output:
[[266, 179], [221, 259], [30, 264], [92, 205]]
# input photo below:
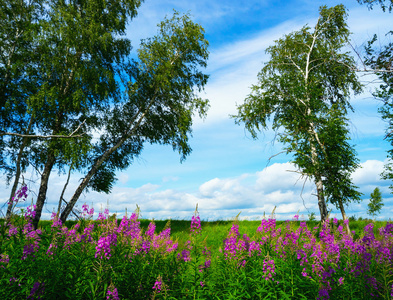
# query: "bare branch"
[[2, 133]]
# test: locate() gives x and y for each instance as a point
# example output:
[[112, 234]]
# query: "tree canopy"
[[66, 72], [303, 92], [376, 203]]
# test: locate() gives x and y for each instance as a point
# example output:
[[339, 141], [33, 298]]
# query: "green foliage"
[[304, 91], [376, 203], [311, 216], [379, 59], [385, 4], [159, 103], [67, 70]]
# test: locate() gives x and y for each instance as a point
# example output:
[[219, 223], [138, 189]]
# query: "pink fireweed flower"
[[157, 287], [205, 266], [86, 212], [269, 269], [88, 230], [12, 230], [56, 221], [130, 228], [267, 226], [20, 195], [27, 228], [340, 281], [112, 295], [195, 225], [103, 216], [37, 291], [50, 250], [304, 273], [387, 230], [171, 246], [30, 212], [103, 245], [29, 249], [323, 294], [4, 259], [150, 230], [165, 234], [184, 255]]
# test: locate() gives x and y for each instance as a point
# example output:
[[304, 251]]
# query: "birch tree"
[[161, 100], [303, 91], [58, 65]]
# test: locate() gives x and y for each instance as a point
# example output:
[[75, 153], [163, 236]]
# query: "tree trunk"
[[68, 209], [64, 189], [18, 171], [344, 216], [319, 184], [131, 129], [321, 199], [43, 187]]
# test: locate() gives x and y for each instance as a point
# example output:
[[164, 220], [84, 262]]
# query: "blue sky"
[[228, 172]]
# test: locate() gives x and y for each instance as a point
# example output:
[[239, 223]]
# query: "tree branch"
[[71, 135]]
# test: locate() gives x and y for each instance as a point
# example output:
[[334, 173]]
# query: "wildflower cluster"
[[86, 212], [195, 225], [20, 195], [272, 260]]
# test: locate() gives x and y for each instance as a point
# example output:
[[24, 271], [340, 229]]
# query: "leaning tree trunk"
[[344, 216], [70, 205], [61, 199], [138, 118], [43, 187]]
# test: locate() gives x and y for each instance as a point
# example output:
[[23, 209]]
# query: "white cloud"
[[222, 198], [369, 173]]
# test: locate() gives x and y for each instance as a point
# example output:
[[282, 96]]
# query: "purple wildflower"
[[86, 212], [56, 221], [4, 258], [104, 245], [13, 230], [20, 195], [184, 255], [150, 230], [158, 284], [36, 291], [195, 225], [267, 226], [269, 269], [112, 295], [30, 212], [340, 281]]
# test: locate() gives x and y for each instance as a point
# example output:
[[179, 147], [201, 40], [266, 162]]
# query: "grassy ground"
[[215, 232]]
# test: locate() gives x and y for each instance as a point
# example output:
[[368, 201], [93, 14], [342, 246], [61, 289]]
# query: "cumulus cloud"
[[369, 172], [254, 194]]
